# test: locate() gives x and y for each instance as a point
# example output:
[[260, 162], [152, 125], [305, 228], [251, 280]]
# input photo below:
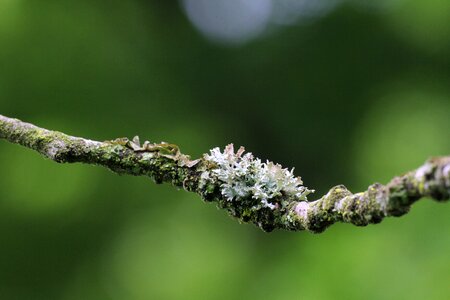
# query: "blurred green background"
[[349, 92]]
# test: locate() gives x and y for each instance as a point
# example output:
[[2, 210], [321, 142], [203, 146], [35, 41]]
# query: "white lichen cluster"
[[243, 176]]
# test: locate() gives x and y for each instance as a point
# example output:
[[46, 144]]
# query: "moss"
[[399, 200]]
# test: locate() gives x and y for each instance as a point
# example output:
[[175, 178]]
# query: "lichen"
[[162, 162], [162, 149], [251, 189], [241, 176]]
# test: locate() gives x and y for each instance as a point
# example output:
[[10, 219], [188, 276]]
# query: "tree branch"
[[252, 191]]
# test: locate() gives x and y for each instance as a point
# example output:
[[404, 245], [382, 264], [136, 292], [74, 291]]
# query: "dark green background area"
[[353, 98]]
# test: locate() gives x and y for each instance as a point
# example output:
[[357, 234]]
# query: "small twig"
[[252, 191]]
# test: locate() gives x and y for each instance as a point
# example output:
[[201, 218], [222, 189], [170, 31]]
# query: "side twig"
[[252, 191]]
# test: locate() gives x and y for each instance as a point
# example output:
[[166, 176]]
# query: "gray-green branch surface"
[[264, 194]]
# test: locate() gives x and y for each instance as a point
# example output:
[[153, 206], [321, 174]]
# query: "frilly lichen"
[[162, 149], [242, 176]]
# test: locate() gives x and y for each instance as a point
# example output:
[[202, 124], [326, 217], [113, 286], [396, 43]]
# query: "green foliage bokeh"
[[353, 98]]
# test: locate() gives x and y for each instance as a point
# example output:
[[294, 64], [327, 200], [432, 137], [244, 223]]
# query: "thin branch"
[[252, 191]]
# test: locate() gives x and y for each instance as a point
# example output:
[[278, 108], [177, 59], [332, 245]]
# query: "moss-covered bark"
[[282, 206]]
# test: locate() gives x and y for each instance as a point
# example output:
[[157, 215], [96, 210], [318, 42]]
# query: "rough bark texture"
[[164, 162]]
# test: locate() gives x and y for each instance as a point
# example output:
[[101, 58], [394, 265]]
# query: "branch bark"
[[255, 200]]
